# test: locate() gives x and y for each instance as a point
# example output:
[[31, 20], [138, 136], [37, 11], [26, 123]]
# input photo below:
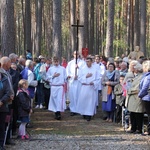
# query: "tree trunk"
[[0, 30], [7, 27], [103, 25], [23, 24], [132, 27], [57, 28], [110, 29], [143, 27], [48, 18], [33, 27], [39, 7], [147, 39], [72, 29], [128, 26], [83, 32], [136, 24], [96, 27], [91, 28], [20, 52], [28, 45]]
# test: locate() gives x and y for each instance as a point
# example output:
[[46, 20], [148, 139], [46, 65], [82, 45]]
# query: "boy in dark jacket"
[[120, 94]]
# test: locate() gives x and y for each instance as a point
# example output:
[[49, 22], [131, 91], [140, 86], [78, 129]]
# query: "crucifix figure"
[[77, 42]]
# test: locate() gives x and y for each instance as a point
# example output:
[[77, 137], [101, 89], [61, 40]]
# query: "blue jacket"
[[145, 87], [24, 75], [29, 56]]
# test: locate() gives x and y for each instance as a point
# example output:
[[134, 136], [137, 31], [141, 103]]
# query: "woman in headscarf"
[[109, 80]]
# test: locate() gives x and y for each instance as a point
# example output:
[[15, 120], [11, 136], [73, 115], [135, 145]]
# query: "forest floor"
[[75, 133]]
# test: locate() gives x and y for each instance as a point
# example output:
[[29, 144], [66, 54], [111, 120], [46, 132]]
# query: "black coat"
[[19, 68], [24, 104], [15, 79], [5, 94]]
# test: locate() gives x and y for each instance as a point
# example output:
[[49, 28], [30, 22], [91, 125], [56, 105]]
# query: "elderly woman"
[[109, 80], [27, 73], [134, 104], [144, 93]]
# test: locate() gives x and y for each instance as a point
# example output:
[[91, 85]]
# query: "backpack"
[[36, 72]]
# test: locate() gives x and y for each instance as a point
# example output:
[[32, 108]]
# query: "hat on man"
[[125, 59], [41, 57], [116, 58]]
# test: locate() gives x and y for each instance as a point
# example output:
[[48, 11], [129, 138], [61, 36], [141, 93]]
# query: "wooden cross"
[[77, 26], [77, 42]]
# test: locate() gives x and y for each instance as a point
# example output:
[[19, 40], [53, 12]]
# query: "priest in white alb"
[[56, 75], [72, 71], [89, 78]]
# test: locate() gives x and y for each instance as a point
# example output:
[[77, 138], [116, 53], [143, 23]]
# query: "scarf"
[[110, 74], [22, 90], [47, 67]]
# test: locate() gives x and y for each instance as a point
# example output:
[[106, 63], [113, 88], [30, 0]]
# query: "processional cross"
[[77, 40]]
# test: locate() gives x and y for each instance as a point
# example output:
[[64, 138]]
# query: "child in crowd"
[[24, 107], [120, 94], [28, 55]]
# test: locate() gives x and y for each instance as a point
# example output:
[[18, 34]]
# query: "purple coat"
[[144, 93]]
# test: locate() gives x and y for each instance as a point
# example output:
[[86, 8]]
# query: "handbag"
[[109, 89]]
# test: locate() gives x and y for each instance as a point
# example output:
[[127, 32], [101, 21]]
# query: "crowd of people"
[[45, 83]]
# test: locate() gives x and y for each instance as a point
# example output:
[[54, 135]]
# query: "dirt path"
[[73, 132], [44, 122]]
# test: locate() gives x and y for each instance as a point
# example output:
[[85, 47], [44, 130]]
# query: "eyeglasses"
[[111, 66]]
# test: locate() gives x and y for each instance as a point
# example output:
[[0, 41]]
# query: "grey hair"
[[28, 63], [20, 60], [111, 60], [4, 60], [146, 64], [13, 56], [138, 67], [124, 63], [134, 62]]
